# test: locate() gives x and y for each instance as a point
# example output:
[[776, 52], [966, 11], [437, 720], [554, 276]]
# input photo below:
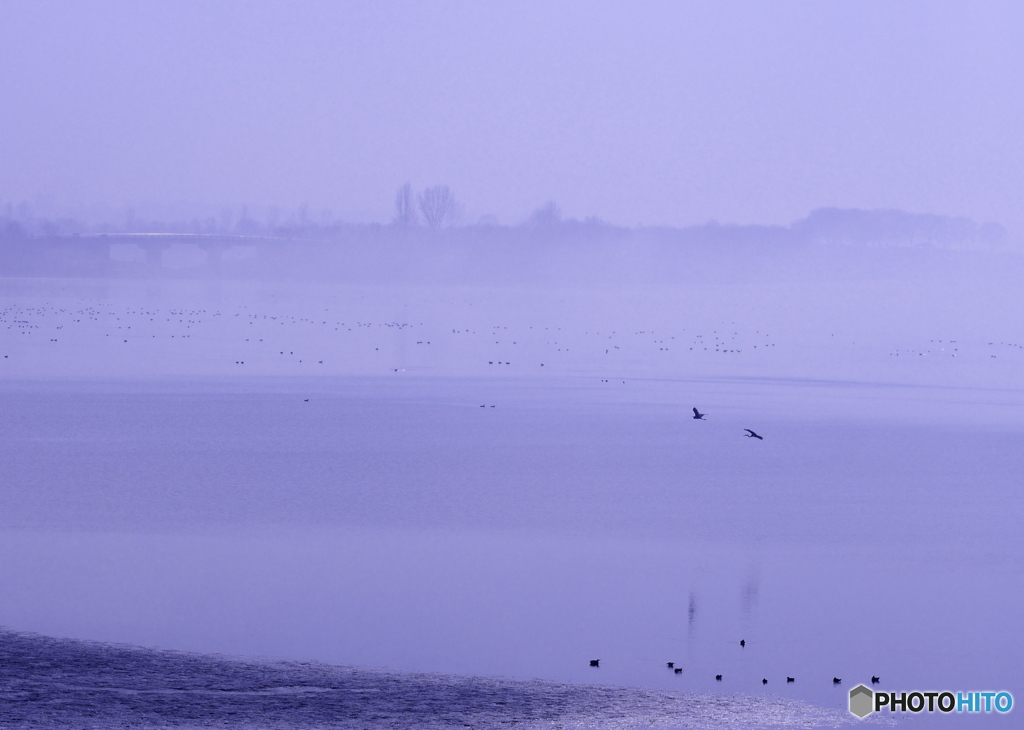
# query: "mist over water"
[[507, 480], [350, 356]]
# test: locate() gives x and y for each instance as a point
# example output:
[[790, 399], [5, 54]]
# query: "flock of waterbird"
[[363, 336], [288, 338], [265, 337], [698, 416], [718, 677]]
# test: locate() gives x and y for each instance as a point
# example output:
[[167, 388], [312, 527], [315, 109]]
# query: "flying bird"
[[752, 435], [595, 662], [875, 680], [697, 415]]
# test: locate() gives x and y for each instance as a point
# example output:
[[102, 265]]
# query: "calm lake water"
[[408, 525]]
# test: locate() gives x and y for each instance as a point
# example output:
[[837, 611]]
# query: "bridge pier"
[[215, 254], [154, 252]]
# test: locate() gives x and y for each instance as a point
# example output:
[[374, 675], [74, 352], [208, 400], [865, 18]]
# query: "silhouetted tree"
[[227, 217], [546, 216], [438, 206], [273, 218], [12, 229], [246, 226], [405, 207]]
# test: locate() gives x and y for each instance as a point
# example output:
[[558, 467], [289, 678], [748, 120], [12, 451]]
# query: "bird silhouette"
[[764, 681], [836, 680], [718, 677], [595, 662], [678, 670], [789, 679], [697, 415], [751, 435], [670, 664], [743, 642], [875, 680]]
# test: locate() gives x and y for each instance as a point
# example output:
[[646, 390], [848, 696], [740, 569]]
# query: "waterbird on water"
[[697, 415], [752, 435]]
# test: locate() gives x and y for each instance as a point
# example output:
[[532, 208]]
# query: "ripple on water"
[[48, 682]]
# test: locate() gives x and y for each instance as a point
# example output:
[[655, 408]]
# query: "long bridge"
[[94, 252]]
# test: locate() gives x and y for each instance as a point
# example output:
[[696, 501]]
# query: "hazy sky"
[[656, 112]]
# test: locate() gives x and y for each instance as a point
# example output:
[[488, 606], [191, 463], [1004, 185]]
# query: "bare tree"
[[548, 215], [273, 218], [438, 206], [405, 207], [227, 217], [245, 225]]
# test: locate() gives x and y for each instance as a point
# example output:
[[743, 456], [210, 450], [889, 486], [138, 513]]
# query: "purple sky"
[[658, 112]]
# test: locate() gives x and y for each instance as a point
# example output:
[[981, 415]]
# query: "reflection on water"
[[404, 526]]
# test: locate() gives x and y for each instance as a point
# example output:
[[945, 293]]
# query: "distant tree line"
[[435, 209], [852, 227]]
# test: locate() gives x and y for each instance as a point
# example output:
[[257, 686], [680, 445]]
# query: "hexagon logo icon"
[[861, 701]]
